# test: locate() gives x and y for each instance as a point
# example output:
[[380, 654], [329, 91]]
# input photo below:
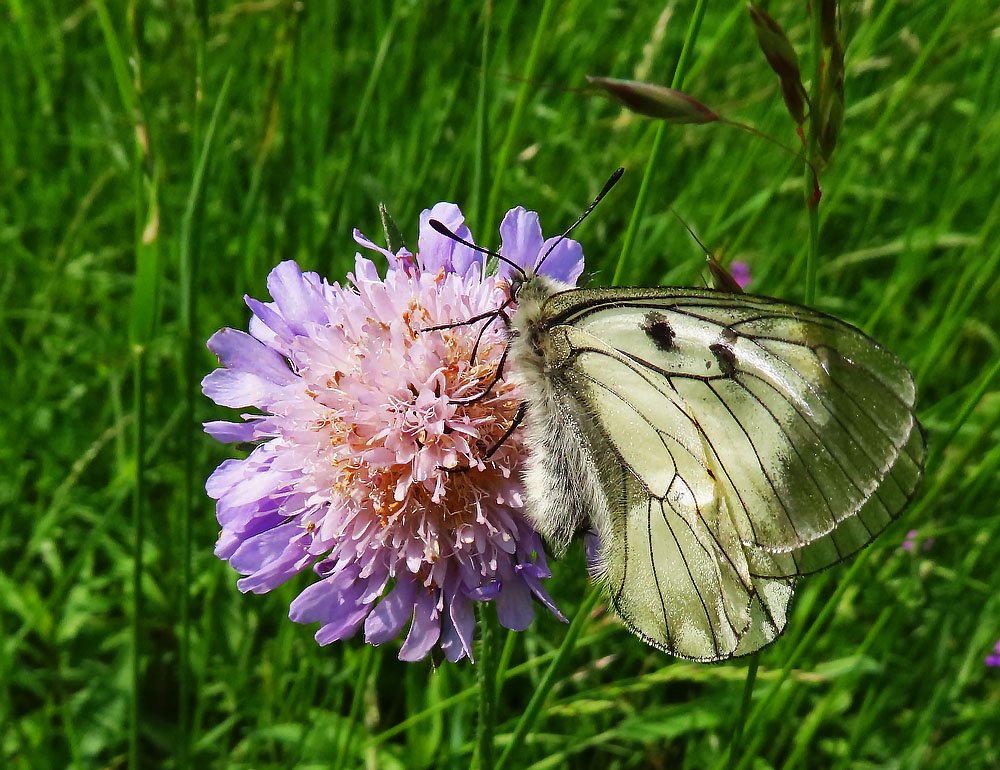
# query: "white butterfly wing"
[[737, 441]]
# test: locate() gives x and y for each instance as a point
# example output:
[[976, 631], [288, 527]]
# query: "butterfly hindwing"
[[735, 441]]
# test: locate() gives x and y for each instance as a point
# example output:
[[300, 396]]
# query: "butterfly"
[[720, 445]]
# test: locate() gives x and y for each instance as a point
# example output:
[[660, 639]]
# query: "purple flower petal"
[[369, 244], [344, 626], [241, 352], [514, 608], [533, 575], [296, 298], [520, 241], [463, 621], [436, 250], [320, 601], [565, 261], [232, 537], [485, 592], [267, 325], [263, 549], [229, 473], [740, 271], [230, 432], [425, 629], [258, 485], [238, 389], [391, 614]]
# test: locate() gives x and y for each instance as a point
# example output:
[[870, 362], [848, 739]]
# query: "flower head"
[[370, 462]]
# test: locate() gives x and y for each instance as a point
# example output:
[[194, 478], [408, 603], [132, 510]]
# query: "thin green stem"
[[737, 739], [503, 157], [142, 322], [810, 181], [190, 252], [138, 534], [487, 675], [680, 72], [505, 656], [812, 256], [481, 162], [527, 720], [804, 643], [357, 702], [187, 301]]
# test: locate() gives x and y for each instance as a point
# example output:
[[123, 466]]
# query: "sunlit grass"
[[334, 108]]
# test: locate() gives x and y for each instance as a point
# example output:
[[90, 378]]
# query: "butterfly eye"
[[515, 287]]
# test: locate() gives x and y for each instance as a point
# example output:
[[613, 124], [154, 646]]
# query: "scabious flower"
[[369, 466]]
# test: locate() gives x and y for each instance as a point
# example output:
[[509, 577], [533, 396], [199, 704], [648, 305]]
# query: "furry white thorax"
[[562, 486]]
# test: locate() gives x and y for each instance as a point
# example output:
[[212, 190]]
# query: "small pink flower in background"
[[910, 543], [741, 273], [357, 425], [994, 658]]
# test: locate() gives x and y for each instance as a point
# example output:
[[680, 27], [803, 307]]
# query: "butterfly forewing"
[[752, 441]]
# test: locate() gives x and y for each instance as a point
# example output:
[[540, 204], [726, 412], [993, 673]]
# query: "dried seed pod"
[[831, 102], [783, 60], [656, 101]]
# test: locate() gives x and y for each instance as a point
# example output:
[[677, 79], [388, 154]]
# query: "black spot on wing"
[[658, 328], [726, 358]]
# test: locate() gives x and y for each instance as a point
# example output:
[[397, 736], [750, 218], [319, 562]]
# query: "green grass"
[[120, 252]]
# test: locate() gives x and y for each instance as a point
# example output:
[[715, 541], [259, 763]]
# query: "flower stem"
[[541, 33], [364, 669], [138, 494], [734, 744], [548, 679], [803, 644], [487, 674], [810, 182], [481, 162], [190, 253], [654, 154]]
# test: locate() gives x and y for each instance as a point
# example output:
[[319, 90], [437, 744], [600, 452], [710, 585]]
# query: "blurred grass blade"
[[548, 680], [680, 72], [190, 256], [514, 123]]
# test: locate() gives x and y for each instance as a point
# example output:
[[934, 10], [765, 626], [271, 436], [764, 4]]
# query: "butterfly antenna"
[[604, 191], [439, 226]]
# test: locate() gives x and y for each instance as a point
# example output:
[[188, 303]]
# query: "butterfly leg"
[[522, 410], [484, 393]]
